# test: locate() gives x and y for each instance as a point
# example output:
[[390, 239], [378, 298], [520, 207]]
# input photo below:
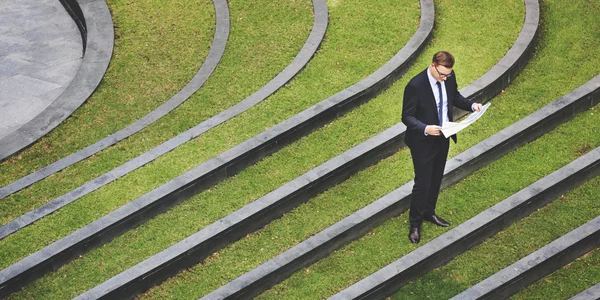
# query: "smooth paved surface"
[[40, 53]]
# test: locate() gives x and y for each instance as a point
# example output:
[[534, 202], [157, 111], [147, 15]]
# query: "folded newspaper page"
[[451, 128]]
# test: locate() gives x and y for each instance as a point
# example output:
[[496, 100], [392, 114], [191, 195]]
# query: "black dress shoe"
[[437, 221], [414, 235]]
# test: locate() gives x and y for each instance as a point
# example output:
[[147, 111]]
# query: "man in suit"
[[428, 103]]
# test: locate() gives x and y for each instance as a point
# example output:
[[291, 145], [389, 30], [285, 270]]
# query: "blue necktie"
[[441, 107]]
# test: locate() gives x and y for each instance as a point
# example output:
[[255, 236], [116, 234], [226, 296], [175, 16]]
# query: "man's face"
[[441, 73]]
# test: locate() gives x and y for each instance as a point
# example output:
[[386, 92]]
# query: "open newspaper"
[[450, 128]]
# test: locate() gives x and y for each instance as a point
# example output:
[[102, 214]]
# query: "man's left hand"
[[476, 106]]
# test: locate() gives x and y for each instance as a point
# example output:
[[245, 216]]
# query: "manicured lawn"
[[477, 34]]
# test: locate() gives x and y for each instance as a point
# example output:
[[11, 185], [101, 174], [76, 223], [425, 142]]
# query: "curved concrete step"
[[212, 59], [96, 26]]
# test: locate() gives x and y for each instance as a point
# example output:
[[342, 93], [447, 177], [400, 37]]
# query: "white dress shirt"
[[436, 94]]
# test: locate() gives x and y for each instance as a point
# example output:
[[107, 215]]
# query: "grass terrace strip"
[[537, 264], [214, 56], [303, 57], [569, 281], [394, 203], [338, 38], [97, 33], [443, 248]]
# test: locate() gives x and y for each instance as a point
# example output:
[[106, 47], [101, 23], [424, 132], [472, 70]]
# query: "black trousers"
[[429, 159]]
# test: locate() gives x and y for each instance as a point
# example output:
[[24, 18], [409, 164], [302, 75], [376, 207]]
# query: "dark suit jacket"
[[419, 108]]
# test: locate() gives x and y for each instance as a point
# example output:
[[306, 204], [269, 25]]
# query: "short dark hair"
[[443, 58]]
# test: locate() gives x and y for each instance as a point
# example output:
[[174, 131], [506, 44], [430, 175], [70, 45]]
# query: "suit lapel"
[[451, 91], [428, 93]]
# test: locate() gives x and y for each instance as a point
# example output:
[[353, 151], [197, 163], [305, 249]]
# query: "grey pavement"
[[40, 53]]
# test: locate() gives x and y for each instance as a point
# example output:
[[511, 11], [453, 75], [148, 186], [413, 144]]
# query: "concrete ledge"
[[474, 231], [591, 293], [210, 63], [98, 51], [538, 264]]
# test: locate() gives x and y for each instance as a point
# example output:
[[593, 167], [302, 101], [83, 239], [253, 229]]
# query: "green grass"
[[159, 47], [569, 281], [567, 36], [265, 37], [317, 148], [346, 32]]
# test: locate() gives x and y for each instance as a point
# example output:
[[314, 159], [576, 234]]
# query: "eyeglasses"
[[442, 74]]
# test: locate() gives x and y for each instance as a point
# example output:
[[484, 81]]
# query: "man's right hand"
[[433, 130]]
